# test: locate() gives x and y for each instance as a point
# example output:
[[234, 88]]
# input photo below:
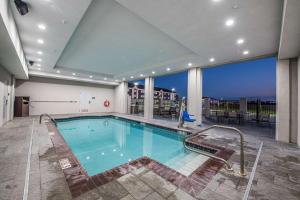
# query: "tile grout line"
[[249, 185], [25, 192]]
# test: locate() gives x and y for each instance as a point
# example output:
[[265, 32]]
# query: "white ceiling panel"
[[114, 41], [199, 25]]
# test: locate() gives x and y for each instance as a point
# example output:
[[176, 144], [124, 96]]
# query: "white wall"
[[44, 89], [6, 96]]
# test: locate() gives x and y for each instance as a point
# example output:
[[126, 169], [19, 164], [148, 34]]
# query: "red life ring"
[[106, 103]]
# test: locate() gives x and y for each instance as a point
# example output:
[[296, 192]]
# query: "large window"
[[136, 95], [168, 92], [241, 92]]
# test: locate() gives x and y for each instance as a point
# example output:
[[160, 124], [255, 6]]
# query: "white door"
[[85, 101]]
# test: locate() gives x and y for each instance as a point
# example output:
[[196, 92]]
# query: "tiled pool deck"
[[277, 175]]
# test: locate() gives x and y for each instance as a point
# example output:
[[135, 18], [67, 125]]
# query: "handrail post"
[[242, 155]]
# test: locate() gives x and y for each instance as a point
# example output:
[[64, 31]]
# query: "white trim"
[[249, 185], [25, 193]]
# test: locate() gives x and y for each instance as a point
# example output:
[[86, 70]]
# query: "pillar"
[[283, 101], [121, 98], [148, 101], [194, 98], [243, 105]]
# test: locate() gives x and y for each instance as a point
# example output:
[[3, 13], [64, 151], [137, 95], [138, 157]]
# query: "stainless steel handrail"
[[47, 115], [242, 155]]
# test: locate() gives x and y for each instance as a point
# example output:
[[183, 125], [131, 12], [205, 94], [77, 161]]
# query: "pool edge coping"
[[80, 182]]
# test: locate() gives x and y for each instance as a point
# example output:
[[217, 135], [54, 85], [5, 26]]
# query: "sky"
[[255, 79]]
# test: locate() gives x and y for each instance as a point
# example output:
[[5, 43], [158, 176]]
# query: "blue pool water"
[[103, 143]]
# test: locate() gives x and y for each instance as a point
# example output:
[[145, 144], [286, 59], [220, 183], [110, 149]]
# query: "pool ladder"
[[47, 115], [228, 166]]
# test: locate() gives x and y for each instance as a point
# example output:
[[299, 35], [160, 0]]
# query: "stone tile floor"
[[277, 175]]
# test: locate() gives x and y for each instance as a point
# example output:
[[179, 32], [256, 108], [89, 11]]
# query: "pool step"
[[186, 163]]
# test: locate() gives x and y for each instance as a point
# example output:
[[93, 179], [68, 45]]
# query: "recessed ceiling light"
[[190, 64], [40, 52], [240, 41], [40, 41], [39, 59], [105, 78], [229, 22], [131, 76], [216, 0], [141, 75], [153, 72], [74, 74], [123, 79], [38, 65], [58, 71], [136, 83], [91, 76], [246, 52], [212, 60], [168, 69], [42, 26], [117, 80], [39, 68]]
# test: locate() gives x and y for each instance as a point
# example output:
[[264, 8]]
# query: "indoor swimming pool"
[[103, 143]]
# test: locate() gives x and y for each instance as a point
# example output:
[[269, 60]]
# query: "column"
[[194, 98], [121, 98], [243, 105], [148, 100], [283, 101]]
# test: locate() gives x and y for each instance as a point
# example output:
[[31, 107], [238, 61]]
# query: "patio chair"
[[187, 117]]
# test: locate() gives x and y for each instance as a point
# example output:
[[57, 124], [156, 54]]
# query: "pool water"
[[103, 143]]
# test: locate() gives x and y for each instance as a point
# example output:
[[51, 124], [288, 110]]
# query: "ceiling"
[[114, 39]]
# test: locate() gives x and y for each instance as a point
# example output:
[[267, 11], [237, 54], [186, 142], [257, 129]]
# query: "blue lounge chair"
[[188, 118]]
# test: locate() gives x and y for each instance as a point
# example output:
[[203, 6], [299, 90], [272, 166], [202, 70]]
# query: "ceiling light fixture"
[[105, 78], [168, 69], [39, 59], [123, 79], [42, 26], [131, 77], [58, 71], [190, 64], [230, 22], [74, 74], [117, 80], [91, 76], [136, 83], [141, 75], [212, 60], [38, 65], [153, 72], [216, 0], [240, 41], [246, 52], [40, 52], [40, 41], [173, 89], [39, 68]]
